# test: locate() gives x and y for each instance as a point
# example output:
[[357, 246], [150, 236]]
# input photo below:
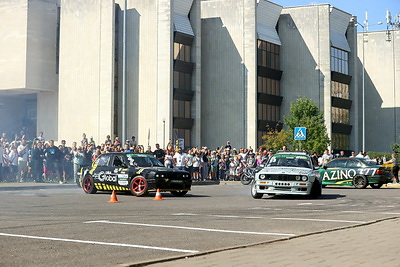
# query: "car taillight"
[[380, 172]]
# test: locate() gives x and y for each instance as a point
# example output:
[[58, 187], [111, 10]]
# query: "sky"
[[376, 9]]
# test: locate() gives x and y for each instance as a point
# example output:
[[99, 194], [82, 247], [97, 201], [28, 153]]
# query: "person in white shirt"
[[326, 157], [360, 155], [22, 160], [180, 159], [168, 160], [13, 160], [366, 157]]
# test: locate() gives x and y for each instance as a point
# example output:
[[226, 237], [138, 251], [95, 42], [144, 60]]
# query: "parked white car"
[[288, 173]]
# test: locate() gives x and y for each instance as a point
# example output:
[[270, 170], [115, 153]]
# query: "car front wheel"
[[88, 185], [138, 186], [254, 193], [316, 189]]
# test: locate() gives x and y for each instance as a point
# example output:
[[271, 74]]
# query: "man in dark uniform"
[[53, 156], [159, 153]]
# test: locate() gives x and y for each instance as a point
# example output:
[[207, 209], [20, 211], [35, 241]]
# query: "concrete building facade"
[[202, 71], [382, 88]]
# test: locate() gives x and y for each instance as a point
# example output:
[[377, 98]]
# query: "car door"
[[331, 172], [119, 166], [103, 171]]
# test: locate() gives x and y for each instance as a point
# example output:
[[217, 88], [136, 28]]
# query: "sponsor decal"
[[123, 179], [348, 174], [122, 182], [107, 177]]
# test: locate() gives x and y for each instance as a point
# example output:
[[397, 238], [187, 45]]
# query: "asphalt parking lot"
[[50, 225]]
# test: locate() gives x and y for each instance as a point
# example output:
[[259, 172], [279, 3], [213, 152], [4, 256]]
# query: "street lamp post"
[[163, 120]]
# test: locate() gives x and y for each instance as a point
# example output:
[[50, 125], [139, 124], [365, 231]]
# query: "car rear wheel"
[[376, 185], [179, 193], [88, 185], [360, 181], [138, 186], [254, 193]]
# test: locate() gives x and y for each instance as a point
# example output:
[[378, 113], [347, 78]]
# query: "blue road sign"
[[300, 133]]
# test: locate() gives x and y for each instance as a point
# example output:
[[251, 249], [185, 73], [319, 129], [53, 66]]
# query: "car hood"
[[162, 169], [286, 170]]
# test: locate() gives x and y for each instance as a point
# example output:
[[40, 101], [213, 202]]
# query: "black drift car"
[[137, 173]]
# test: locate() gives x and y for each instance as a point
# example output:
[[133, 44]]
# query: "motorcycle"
[[249, 173]]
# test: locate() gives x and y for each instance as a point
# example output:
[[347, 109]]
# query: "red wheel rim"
[[87, 184], [138, 185]]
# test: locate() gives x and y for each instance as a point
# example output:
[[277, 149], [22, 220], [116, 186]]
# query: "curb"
[[170, 259], [390, 185]]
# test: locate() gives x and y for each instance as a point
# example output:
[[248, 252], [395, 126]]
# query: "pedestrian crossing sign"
[[300, 133]]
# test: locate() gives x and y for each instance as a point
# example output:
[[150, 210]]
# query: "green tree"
[[275, 139], [305, 113]]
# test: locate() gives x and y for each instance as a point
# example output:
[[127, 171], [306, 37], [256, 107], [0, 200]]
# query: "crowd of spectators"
[[38, 160]]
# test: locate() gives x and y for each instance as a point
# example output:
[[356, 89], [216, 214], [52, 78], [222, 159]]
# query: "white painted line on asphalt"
[[371, 212], [282, 218], [192, 228], [309, 210], [316, 220], [185, 214], [225, 216], [261, 208], [258, 208], [98, 243], [308, 203]]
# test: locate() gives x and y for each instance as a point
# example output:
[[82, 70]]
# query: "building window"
[[340, 115], [340, 90], [182, 109], [268, 112], [182, 52], [182, 80], [268, 55], [339, 61], [268, 86], [340, 141]]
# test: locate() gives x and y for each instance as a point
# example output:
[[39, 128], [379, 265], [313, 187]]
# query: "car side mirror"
[[316, 167]]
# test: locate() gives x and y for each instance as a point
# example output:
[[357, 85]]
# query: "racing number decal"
[[94, 166], [348, 174]]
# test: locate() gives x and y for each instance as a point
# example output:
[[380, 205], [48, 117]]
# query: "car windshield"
[[301, 161], [143, 160]]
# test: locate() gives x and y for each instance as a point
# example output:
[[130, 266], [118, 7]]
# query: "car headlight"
[[304, 178], [298, 178], [262, 176]]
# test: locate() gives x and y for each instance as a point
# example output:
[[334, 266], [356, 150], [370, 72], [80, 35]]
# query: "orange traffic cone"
[[113, 198], [158, 195]]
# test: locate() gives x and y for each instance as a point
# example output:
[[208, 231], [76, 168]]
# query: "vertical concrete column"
[[195, 19], [250, 72], [164, 70], [324, 64]]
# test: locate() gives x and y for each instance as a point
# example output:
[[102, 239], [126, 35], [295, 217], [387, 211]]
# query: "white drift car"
[[288, 173]]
